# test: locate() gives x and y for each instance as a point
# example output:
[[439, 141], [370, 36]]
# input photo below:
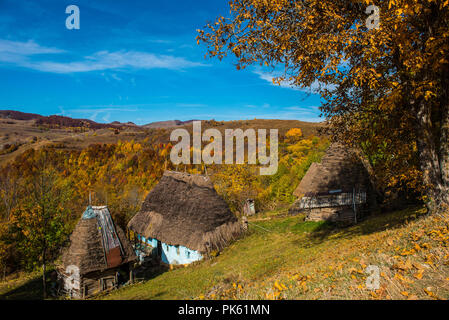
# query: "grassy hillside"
[[284, 257], [293, 259]]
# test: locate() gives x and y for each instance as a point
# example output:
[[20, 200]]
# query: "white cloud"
[[94, 112], [25, 48], [160, 41], [266, 111], [16, 52], [107, 117], [264, 106], [191, 105], [105, 60], [308, 109], [20, 53], [269, 76], [281, 115]]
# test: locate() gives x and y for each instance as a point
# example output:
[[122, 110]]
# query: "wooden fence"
[[333, 200]]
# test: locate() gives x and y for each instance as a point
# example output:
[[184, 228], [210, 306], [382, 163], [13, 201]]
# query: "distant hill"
[[60, 121], [68, 122], [17, 115], [57, 121], [20, 131], [167, 124], [63, 121]]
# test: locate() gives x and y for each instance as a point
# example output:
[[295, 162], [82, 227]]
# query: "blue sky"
[[131, 61]]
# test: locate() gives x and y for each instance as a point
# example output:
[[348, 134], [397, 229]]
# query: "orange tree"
[[396, 72]]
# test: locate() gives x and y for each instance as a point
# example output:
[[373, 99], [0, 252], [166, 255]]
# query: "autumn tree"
[[236, 183], [41, 217], [6, 249], [9, 188], [293, 135], [396, 72]]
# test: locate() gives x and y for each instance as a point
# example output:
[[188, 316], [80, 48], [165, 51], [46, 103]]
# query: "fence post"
[[353, 204]]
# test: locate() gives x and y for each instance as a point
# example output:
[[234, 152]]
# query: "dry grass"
[[409, 248], [315, 260]]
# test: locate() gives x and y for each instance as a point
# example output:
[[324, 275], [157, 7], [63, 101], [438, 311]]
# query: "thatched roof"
[[97, 243], [340, 169], [184, 209]]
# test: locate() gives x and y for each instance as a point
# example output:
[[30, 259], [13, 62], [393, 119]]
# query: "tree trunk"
[[44, 277], [444, 156], [433, 169], [444, 138]]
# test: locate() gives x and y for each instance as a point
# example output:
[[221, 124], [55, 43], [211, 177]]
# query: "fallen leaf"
[[419, 274]]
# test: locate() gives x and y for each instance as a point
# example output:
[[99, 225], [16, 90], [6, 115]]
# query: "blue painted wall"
[[174, 254]]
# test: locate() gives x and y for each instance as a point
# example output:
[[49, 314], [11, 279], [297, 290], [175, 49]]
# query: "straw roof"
[[184, 209], [96, 245], [340, 169]]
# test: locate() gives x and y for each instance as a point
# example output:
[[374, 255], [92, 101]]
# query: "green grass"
[[22, 287], [287, 246], [258, 255]]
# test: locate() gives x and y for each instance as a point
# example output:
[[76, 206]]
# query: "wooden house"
[[337, 189], [183, 219], [97, 253]]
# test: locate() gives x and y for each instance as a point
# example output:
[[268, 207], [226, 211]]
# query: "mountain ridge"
[[65, 121]]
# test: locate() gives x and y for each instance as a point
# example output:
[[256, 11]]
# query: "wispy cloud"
[[266, 111], [305, 109], [18, 52], [105, 60], [281, 115], [264, 106], [25, 48], [110, 77], [161, 41], [129, 108], [24, 54], [107, 112], [92, 112], [269, 76], [107, 117], [191, 105]]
